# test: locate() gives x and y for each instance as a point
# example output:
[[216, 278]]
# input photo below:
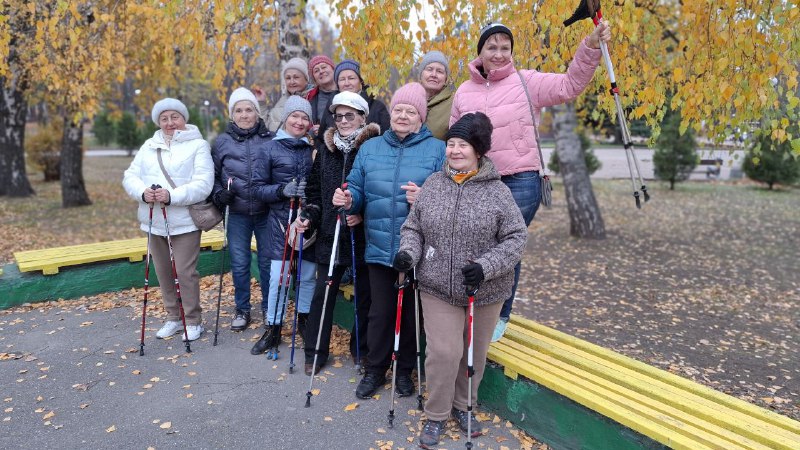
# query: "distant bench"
[[671, 410], [50, 260], [713, 167]]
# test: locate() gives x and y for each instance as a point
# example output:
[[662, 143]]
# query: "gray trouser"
[[186, 248], [446, 329]]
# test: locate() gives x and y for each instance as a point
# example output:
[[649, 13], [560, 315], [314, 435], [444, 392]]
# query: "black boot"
[[369, 384], [302, 319], [267, 340]]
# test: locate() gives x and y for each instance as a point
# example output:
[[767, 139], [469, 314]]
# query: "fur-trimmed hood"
[[369, 132]]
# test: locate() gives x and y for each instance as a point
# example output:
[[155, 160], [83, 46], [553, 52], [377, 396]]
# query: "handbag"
[[205, 214], [308, 241], [544, 180]]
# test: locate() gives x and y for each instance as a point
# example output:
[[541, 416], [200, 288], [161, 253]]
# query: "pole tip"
[[308, 399]]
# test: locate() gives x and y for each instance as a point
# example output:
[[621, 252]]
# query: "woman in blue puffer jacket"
[[280, 176], [234, 154], [385, 180]]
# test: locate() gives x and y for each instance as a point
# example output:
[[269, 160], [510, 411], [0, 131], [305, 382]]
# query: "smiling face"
[[349, 81], [323, 76], [496, 52], [295, 81], [244, 114], [344, 124], [297, 124], [169, 121], [433, 78], [405, 120], [461, 155]]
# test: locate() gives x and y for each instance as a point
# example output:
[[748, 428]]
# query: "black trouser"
[[314, 316], [382, 317]]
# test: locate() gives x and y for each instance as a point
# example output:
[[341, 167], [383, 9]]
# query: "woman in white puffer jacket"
[[187, 160]]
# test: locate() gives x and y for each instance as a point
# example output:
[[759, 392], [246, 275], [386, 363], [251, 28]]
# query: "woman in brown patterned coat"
[[464, 229]]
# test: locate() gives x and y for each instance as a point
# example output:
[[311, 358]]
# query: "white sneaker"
[[169, 329], [194, 332]]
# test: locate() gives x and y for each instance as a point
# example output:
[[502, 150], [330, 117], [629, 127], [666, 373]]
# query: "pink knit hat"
[[412, 94], [319, 59]]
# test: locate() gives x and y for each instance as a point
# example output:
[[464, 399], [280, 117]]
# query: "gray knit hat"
[[434, 56], [169, 104], [297, 64], [296, 103]]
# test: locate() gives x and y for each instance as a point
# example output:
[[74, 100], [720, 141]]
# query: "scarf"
[[345, 144], [240, 134], [460, 176]]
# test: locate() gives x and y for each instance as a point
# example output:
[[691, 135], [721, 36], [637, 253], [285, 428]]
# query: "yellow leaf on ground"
[[137, 372], [48, 415], [328, 419], [165, 425], [315, 392], [155, 379], [111, 429], [351, 406]]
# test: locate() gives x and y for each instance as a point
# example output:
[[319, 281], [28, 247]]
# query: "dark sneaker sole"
[[239, 328]]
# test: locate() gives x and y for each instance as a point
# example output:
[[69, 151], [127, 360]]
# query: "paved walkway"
[[73, 378]]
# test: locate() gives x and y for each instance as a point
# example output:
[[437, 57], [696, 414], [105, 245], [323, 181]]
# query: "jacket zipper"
[[453, 235], [394, 204], [249, 177]]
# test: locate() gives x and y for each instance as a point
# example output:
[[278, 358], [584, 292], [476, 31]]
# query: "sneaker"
[[170, 327], [240, 321], [431, 433], [499, 329], [369, 384], [193, 332], [404, 385], [461, 418]]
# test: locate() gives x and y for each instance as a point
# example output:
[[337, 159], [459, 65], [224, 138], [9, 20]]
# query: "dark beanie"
[[474, 128], [494, 28]]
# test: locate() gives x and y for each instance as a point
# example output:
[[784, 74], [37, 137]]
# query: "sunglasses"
[[349, 116]]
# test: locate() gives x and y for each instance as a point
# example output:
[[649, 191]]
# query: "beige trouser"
[[446, 353], [186, 248]]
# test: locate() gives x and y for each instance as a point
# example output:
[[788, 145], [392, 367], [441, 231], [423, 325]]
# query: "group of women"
[[440, 185]]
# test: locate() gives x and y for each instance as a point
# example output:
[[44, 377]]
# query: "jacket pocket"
[[521, 136]]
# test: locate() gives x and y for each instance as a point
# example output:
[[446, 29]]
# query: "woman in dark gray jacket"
[[464, 229], [235, 153]]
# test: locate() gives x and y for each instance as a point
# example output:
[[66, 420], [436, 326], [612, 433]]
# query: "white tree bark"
[[584, 214]]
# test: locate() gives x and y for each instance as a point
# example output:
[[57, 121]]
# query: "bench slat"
[[652, 428], [654, 387], [639, 367], [634, 401]]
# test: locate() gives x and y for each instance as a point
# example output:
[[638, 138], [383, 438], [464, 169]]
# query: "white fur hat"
[[169, 104], [242, 94]]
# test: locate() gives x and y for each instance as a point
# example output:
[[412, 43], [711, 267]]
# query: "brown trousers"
[[186, 248], [446, 329]]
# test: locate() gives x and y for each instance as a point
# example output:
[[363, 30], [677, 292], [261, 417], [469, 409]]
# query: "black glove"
[[224, 197], [473, 274], [402, 261]]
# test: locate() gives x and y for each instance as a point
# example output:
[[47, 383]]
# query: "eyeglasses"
[[349, 116]]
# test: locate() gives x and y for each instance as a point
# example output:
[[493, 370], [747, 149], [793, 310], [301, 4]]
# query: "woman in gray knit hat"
[[464, 229], [434, 75]]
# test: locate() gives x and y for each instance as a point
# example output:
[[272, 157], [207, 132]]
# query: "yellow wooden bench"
[[50, 260], [669, 409]]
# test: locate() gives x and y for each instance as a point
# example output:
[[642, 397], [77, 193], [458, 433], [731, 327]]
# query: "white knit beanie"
[[169, 104], [297, 64], [242, 94]]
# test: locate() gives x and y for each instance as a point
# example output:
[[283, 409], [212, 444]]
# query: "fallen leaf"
[[86, 324], [328, 419], [165, 425], [147, 386], [111, 429], [351, 406], [315, 392], [83, 405], [137, 372], [49, 415]]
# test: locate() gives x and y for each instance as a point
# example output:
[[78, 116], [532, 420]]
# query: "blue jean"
[[308, 278], [527, 192], [241, 228]]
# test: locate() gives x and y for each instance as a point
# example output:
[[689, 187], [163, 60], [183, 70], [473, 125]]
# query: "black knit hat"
[[494, 28], [474, 128]]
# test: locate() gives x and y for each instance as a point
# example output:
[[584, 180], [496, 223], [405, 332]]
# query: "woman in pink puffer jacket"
[[495, 89]]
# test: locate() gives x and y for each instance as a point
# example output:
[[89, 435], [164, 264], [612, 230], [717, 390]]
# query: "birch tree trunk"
[[73, 188], [13, 114], [292, 37], [584, 214]]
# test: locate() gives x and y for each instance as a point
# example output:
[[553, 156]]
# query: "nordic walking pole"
[[175, 275], [590, 9], [355, 297], [278, 302], [416, 323], [146, 277], [222, 262], [296, 298], [328, 283], [470, 367], [402, 282]]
